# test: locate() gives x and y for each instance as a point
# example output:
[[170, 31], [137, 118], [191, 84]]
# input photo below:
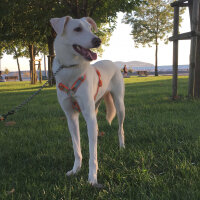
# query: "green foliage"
[[17, 50], [151, 21], [130, 70], [6, 71], [104, 32], [161, 160], [38, 48], [2, 48], [28, 21]]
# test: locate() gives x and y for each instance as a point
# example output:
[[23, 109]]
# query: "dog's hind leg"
[[118, 97], [73, 125], [97, 104], [119, 103]]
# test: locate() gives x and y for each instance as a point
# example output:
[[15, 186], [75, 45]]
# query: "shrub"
[[130, 70]]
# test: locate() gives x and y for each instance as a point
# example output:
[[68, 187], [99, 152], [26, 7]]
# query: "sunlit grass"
[[161, 159]]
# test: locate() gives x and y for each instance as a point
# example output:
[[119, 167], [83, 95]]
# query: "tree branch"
[[93, 9]]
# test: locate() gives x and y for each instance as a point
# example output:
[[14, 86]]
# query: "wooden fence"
[[194, 36]]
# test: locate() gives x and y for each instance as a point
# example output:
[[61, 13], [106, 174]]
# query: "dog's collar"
[[68, 66]]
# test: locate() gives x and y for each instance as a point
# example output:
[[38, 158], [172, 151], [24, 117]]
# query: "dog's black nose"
[[96, 42]]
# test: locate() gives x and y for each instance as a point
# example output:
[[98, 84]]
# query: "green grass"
[[161, 159]]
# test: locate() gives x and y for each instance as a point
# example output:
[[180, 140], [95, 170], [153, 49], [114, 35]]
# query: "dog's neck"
[[70, 73]]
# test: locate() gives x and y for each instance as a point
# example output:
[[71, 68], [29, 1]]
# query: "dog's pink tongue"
[[89, 55], [92, 55]]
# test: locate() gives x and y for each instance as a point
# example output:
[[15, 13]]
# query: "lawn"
[[161, 159]]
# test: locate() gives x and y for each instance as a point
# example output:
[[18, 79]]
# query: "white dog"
[[81, 86]]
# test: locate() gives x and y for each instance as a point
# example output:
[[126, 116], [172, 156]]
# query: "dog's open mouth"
[[86, 53]]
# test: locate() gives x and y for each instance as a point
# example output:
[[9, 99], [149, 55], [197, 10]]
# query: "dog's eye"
[[78, 29]]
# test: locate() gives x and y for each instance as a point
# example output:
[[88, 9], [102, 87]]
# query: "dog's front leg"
[[90, 118], [73, 125]]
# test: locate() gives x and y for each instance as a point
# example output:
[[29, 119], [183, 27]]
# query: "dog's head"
[[77, 34]]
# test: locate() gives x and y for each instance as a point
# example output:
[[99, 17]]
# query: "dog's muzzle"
[[96, 42]]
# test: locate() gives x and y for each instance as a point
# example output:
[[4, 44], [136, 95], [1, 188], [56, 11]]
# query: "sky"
[[122, 48]]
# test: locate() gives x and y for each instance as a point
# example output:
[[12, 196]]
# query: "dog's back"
[[113, 80]]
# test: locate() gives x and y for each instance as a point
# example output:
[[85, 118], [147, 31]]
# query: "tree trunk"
[[156, 59], [50, 59], [85, 7], [197, 60], [33, 73], [20, 77], [175, 55], [197, 71], [194, 23], [0, 63], [77, 9]]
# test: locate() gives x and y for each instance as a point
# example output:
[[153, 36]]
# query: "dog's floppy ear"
[[58, 24], [92, 22]]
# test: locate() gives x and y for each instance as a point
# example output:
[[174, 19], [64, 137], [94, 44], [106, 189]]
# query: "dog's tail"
[[110, 107]]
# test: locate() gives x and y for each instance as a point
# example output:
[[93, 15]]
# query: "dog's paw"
[[70, 173], [94, 183], [92, 179], [122, 146], [73, 171], [97, 185]]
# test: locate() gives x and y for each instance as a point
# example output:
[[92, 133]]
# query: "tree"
[[104, 12], [2, 47], [31, 51], [19, 23], [16, 51], [28, 21], [151, 22]]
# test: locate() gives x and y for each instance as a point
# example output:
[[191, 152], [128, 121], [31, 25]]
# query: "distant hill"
[[25, 74], [131, 64]]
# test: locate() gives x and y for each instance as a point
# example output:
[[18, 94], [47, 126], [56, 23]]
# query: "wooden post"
[[197, 57], [193, 21], [45, 68], [31, 63], [175, 53], [194, 35], [156, 58], [31, 70]]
